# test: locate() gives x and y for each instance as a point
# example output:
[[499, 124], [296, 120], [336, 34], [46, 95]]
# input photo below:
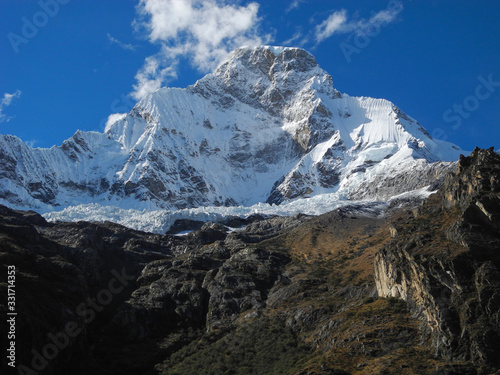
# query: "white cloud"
[[338, 23], [32, 142], [203, 31], [125, 46], [114, 117], [297, 39], [333, 24], [294, 5], [152, 75], [7, 98], [5, 102]]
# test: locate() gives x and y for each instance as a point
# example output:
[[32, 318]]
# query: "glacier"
[[266, 131], [160, 221]]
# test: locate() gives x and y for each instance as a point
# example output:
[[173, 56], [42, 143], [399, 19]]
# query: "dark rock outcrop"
[[121, 288], [446, 264]]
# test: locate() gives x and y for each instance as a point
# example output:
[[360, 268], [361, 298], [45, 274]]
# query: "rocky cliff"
[[415, 292], [445, 262]]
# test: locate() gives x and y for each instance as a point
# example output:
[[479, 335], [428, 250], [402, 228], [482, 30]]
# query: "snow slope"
[[266, 126]]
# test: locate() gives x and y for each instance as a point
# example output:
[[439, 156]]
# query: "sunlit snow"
[[159, 221], [266, 126]]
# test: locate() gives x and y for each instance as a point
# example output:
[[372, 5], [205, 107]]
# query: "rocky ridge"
[[448, 268]]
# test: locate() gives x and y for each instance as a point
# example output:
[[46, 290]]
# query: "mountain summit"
[[266, 126]]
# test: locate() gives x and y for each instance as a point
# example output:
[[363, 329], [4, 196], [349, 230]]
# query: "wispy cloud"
[[297, 39], [32, 142], [339, 23], [125, 46], [156, 71], [336, 22], [5, 102], [294, 5], [204, 31]]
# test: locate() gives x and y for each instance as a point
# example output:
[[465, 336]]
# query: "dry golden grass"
[[335, 252]]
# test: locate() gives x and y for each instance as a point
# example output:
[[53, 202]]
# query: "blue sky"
[[69, 64]]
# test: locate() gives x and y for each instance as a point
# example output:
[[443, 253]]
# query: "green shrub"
[[397, 305], [262, 347]]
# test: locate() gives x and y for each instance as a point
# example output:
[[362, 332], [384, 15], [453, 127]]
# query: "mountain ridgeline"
[[266, 126]]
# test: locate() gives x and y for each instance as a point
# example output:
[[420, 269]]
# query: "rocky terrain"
[[416, 291], [445, 263]]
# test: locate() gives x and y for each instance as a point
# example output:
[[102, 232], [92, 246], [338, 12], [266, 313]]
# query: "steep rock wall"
[[445, 261]]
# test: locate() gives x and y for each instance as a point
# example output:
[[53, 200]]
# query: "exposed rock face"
[[446, 263], [419, 175], [72, 273], [476, 191]]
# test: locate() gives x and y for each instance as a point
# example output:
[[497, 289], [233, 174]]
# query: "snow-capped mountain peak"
[[266, 126]]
